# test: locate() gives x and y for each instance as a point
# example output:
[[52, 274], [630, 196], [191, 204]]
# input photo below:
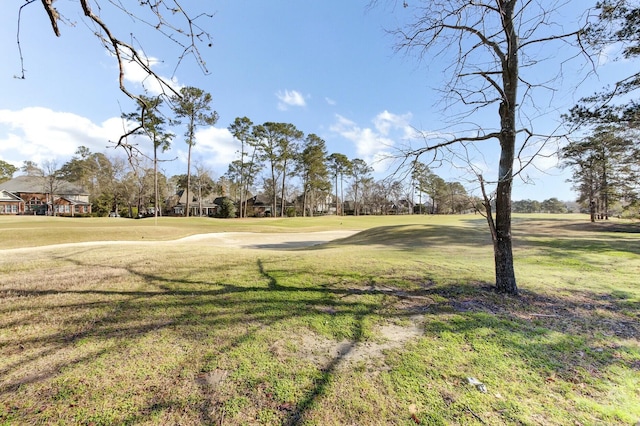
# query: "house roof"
[[206, 200], [75, 202], [262, 199], [35, 184], [8, 196]]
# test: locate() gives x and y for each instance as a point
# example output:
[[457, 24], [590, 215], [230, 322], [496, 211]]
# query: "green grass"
[[195, 334]]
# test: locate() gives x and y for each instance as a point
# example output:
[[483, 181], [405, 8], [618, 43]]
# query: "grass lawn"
[[381, 328]]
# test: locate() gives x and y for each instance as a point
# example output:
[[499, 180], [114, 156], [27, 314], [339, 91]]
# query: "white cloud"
[[215, 147], [290, 98], [386, 121], [135, 74], [38, 134], [370, 145], [330, 101], [610, 53]]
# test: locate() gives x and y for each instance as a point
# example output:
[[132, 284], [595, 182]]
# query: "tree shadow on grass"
[[410, 237], [233, 314]]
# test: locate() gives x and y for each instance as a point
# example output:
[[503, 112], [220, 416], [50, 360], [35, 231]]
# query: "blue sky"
[[328, 67]]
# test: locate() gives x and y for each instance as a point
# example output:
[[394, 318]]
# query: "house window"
[[34, 204]]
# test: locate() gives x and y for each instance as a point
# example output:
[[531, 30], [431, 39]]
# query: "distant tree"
[[267, 138], [194, 106], [233, 174], [600, 168], [241, 129], [51, 179], [225, 187], [79, 169], [278, 144], [151, 123], [6, 171], [313, 171], [368, 185], [457, 199], [436, 188], [179, 181], [203, 185], [288, 150], [31, 168], [359, 171], [395, 191], [339, 165], [420, 176], [111, 192], [526, 206], [553, 205]]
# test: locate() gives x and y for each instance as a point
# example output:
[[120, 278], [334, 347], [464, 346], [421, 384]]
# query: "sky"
[[328, 67]]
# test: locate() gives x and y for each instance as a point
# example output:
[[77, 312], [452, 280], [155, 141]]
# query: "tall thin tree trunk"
[[341, 196], [284, 175], [188, 179], [155, 179], [336, 193]]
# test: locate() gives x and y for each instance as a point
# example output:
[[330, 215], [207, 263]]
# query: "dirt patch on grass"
[[328, 354]]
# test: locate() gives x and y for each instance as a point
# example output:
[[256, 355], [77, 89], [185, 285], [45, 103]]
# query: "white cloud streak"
[[290, 98], [376, 145]]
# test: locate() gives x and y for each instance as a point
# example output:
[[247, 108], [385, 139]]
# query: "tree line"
[[117, 185]]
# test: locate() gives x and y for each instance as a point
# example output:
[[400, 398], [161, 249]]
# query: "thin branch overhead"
[[172, 21]]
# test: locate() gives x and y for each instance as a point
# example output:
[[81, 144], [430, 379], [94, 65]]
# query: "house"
[[209, 206], [259, 206], [30, 196], [403, 206]]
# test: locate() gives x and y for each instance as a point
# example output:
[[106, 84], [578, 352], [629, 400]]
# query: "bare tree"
[[488, 44], [51, 183]]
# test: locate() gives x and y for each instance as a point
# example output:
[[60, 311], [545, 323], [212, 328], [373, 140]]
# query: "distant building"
[[29, 195]]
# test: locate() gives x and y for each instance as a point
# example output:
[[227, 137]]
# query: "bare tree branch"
[[187, 35], [53, 15]]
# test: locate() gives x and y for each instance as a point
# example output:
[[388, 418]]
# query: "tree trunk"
[[284, 175], [336, 193], [341, 196], [155, 179], [503, 251], [186, 213]]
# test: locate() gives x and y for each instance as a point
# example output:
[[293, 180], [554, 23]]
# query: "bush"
[[227, 209]]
